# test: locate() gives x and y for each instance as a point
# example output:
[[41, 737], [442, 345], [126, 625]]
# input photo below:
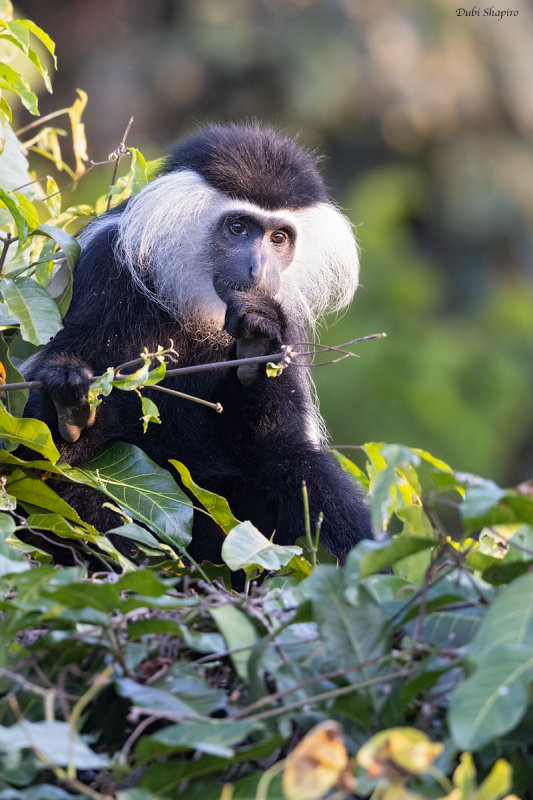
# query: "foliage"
[[408, 668], [154, 680]]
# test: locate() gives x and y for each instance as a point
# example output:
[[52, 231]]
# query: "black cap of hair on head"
[[252, 163]]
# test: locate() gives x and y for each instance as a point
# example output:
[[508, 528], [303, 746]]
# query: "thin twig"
[[215, 406], [332, 693], [132, 738], [8, 241], [118, 153], [40, 121], [268, 700], [275, 358]]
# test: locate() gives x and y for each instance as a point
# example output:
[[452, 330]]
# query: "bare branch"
[[285, 356], [116, 155]]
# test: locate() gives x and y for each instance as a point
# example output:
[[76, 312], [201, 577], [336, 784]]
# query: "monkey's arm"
[[270, 427]]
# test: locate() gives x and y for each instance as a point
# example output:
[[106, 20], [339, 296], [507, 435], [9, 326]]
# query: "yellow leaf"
[[317, 764], [79, 141], [415, 757], [398, 752]]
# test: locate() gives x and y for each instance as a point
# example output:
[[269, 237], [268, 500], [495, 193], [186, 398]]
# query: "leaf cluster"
[[156, 677]]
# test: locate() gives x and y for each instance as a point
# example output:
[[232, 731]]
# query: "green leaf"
[[148, 697], [245, 546], [55, 740], [32, 490], [6, 110], [67, 243], [150, 412], [350, 467], [16, 400], [449, 628], [41, 67], [11, 560], [142, 377], [60, 286], [480, 499], [147, 491], [415, 524], [12, 80], [508, 621], [390, 488], [41, 35], [381, 555], [238, 632], [493, 700], [27, 209], [216, 505], [139, 170], [37, 312], [132, 794], [215, 737], [352, 632], [21, 223], [101, 387], [30, 432], [142, 537], [19, 35]]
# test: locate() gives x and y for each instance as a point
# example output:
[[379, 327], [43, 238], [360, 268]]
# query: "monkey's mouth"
[[225, 288]]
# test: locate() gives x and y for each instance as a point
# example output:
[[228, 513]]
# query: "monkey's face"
[[250, 251]]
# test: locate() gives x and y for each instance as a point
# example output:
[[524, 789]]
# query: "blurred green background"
[[425, 119]]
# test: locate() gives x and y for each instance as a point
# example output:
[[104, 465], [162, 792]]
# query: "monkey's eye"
[[279, 237], [238, 228]]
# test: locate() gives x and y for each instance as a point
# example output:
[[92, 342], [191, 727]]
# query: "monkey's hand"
[[257, 323], [68, 382]]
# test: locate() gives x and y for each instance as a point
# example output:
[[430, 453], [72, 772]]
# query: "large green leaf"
[[32, 490], [215, 737], [150, 493], [245, 546], [66, 241], [216, 505], [353, 630], [493, 700], [480, 499], [35, 309], [508, 621], [55, 740], [495, 697], [29, 432], [156, 699]]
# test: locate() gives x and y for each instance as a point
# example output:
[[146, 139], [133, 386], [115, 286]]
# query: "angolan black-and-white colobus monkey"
[[234, 249]]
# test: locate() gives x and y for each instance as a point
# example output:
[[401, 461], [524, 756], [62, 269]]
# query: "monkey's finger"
[[250, 347], [72, 421]]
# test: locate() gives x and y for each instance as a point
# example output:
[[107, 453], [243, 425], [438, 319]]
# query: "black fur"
[[258, 451], [248, 162]]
